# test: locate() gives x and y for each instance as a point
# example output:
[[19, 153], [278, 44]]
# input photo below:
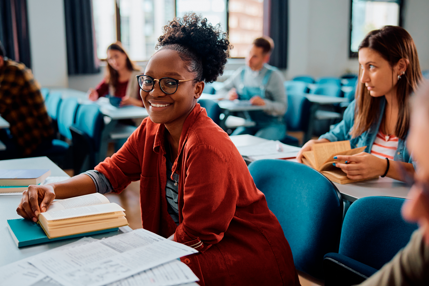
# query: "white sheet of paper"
[[110, 259], [271, 149]]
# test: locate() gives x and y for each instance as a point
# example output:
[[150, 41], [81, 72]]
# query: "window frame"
[[354, 55], [118, 26]]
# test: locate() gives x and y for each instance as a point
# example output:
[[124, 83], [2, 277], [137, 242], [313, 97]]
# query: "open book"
[[321, 158], [81, 214]]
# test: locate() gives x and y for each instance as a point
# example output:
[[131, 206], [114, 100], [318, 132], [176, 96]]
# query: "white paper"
[[110, 259], [269, 148], [22, 273], [81, 211], [80, 201], [172, 273]]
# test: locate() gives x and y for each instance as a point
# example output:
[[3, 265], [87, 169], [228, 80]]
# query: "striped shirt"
[[384, 146]]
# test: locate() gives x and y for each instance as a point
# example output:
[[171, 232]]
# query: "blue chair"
[[295, 87], [308, 207], [305, 78], [86, 137], [329, 80], [327, 89], [373, 232], [349, 76], [67, 116], [212, 108], [52, 104], [426, 74], [298, 118], [45, 93], [208, 88]]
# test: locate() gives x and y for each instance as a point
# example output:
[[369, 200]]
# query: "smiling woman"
[[195, 187], [379, 117]]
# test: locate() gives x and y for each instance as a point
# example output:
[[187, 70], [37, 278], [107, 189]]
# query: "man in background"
[[22, 105], [262, 85]]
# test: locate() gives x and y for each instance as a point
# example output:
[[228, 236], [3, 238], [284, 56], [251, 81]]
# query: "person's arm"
[[277, 105], [210, 200], [408, 267], [229, 84], [102, 89]]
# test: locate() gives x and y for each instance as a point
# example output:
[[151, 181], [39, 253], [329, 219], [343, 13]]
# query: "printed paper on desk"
[[269, 150], [110, 259]]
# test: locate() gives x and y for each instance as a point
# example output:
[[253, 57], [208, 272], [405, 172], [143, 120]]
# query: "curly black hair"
[[200, 44]]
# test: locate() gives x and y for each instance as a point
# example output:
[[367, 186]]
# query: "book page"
[[308, 159], [81, 211], [80, 201], [110, 259], [324, 151], [350, 152]]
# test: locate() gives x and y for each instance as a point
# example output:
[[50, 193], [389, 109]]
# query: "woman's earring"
[[399, 76]]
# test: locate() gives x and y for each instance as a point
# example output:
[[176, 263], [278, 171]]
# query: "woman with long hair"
[[379, 117], [120, 78], [195, 187]]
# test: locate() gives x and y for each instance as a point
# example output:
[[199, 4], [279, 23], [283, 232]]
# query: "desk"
[[237, 106], [382, 187], [324, 100], [8, 251]]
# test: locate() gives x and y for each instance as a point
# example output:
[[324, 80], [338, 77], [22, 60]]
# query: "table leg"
[[105, 139]]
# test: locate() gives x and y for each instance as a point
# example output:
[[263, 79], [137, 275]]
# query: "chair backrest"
[[349, 76], [212, 108], [308, 207], [295, 87], [327, 89], [53, 103], [297, 116], [208, 88], [67, 116], [329, 80], [426, 74], [304, 78], [90, 121], [45, 92], [374, 231]]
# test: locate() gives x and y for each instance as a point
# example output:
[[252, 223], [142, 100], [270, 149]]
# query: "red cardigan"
[[221, 212]]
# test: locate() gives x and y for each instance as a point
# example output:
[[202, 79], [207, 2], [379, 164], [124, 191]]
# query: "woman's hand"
[[361, 166], [92, 94], [308, 147], [131, 101], [35, 199], [232, 94]]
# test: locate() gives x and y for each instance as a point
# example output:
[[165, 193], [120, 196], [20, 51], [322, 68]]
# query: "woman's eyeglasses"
[[168, 85]]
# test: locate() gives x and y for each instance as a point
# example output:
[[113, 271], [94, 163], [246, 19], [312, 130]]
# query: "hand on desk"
[[257, 100], [92, 94], [232, 94], [35, 200], [131, 101], [361, 166]]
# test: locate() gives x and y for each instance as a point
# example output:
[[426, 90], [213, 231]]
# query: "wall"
[[48, 42], [318, 40]]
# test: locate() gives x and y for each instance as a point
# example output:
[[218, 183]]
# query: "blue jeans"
[[270, 132]]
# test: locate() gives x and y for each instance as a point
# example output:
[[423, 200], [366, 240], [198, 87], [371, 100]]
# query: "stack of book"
[[18, 180]]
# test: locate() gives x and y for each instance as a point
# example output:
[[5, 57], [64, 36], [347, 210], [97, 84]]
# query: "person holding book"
[[120, 79], [262, 85], [195, 187], [410, 266], [23, 106], [379, 116]]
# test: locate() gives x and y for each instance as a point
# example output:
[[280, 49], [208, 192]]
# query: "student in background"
[[411, 265], [263, 85], [379, 116], [120, 79], [22, 105], [195, 187]]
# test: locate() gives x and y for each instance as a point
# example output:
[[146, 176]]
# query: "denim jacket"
[[342, 132]]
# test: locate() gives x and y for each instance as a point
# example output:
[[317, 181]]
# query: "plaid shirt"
[[22, 105]]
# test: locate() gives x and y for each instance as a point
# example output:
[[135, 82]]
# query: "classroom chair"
[[212, 108], [86, 137], [305, 78], [426, 74], [328, 89], [45, 92], [308, 207], [349, 76], [298, 117], [329, 80], [373, 232], [295, 87], [52, 104], [208, 88]]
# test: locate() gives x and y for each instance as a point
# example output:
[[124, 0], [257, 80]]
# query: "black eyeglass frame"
[[159, 82]]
